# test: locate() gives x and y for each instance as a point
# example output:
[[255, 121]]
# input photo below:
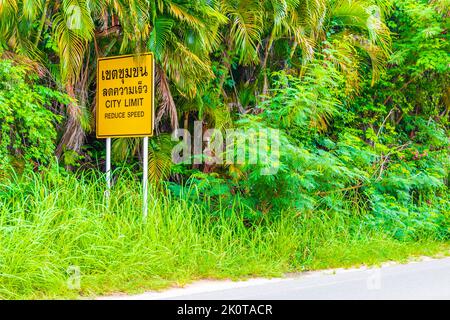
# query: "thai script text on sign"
[[125, 97]]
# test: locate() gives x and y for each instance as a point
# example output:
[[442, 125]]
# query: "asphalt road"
[[429, 279]]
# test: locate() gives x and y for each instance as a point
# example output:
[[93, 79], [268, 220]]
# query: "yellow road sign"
[[125, 96]]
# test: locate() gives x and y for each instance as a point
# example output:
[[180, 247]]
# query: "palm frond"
[[167, 104], [246, 27]]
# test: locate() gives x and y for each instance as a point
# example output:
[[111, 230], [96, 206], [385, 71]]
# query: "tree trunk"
[[74, 135], [264, 63]]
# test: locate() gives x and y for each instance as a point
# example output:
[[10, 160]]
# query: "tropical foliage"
[[28, 132], [358, 89]]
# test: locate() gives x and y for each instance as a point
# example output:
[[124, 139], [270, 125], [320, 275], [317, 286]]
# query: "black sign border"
[[152, 124]]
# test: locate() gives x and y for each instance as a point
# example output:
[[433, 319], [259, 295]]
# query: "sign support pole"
[[108, 169], [145, 178], [136, 123]]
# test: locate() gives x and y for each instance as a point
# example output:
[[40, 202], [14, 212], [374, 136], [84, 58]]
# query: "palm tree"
[[66, 37], [346, 31], [72, 33]]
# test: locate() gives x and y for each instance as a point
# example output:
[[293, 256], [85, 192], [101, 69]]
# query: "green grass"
[[52, 222], [374, 252]]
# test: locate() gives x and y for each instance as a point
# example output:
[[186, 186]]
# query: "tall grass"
[[51, 223]]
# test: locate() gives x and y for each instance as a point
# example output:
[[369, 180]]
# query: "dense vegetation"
[[358, 89], [56, 228]]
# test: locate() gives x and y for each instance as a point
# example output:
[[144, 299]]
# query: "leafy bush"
[[28, 130], [330, 160]]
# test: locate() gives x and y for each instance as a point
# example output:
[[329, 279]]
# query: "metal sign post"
[[125, 107], [145, 178], [108, 170]]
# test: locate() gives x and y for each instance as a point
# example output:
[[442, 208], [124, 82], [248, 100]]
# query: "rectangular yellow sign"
[[125, 96]]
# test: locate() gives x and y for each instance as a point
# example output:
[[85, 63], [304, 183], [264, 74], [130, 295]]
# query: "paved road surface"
[[429, 279]]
